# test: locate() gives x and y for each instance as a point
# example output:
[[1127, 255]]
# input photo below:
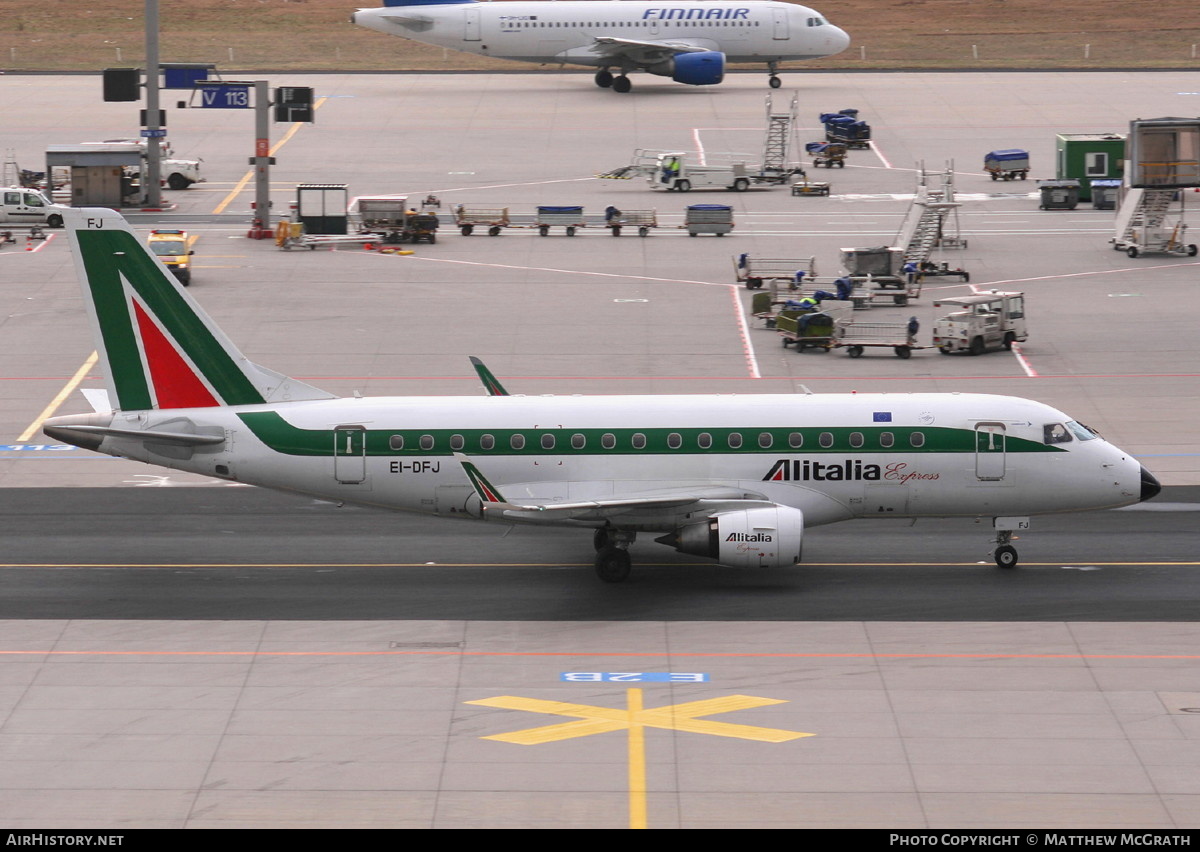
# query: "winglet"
[[488, 493], [490, 383]]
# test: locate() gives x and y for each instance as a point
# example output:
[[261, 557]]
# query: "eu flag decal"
[[882, 417]]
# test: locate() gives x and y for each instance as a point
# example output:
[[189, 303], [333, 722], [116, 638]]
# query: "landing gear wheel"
[[903, 352], [616, 230], [613, 565], [543, 230], [56, 221], [570, 230], [604, 78], [774, 82], [178, 181], [621, 85], [1005, 556]]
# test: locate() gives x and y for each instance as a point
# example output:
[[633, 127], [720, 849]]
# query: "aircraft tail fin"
[[160, 349], [490, 383]]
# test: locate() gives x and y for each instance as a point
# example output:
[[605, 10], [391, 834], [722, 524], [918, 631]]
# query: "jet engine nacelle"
[[765, 537], [706, 68]]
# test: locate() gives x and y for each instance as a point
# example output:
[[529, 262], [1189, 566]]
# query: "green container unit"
[[1089, 156]]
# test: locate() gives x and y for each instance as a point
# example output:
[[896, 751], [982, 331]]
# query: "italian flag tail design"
[[160, 348]]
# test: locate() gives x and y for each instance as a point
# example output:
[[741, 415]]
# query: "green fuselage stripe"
[[283, 437]]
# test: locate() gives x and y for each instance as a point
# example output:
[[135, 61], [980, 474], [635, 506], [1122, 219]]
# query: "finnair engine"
[[706, 68], [765, 537]]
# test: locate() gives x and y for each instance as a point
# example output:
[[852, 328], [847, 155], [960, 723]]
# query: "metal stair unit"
[[925, 225], [781, 132], [1142, 224]]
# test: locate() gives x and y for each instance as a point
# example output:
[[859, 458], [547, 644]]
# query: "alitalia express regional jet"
[[733, 478], [689, 41]]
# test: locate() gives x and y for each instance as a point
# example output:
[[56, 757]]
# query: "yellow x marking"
[[671, 717]]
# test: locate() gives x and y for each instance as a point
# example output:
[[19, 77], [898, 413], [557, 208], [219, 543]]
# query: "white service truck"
[[990, 320], [22, 206]]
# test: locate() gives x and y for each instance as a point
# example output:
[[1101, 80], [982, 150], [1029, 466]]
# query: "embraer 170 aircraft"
[[733, 478], [689, 41]]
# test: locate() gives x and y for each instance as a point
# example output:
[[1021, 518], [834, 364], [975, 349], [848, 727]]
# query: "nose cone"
[[839, 39], [1150, 485]]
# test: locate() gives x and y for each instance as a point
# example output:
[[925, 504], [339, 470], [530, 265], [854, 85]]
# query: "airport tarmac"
[[217, 719]]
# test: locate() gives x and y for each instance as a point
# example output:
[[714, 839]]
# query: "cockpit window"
[[1056, 433], [1080, 431]]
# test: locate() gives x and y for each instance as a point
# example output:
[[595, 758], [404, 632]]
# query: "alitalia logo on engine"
[[746, 537]]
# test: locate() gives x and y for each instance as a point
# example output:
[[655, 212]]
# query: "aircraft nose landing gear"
[[773, 81], [1005, 555]]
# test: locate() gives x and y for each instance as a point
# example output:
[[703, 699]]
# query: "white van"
[[21, 206]]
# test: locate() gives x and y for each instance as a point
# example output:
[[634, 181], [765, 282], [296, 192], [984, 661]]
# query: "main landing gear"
[[612, 554], [606, 80]]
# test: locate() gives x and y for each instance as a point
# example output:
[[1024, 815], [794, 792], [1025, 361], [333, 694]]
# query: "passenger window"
[[825, 439], [608, 440], [886, 439], [704, 441], [639, 441], [796, 440], [517, 442], [674, 440], [487, 442], [578, 442], [765, 440], [426, 442], [456, 442], [396, 442], [547, 441], [856, 439], [1056, 433], [735, 440], [916, 439]]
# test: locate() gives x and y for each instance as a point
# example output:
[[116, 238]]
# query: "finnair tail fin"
[[160, 349]]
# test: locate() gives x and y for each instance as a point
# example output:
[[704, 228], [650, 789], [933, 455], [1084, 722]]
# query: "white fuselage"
[[834, 457], [566, 31]]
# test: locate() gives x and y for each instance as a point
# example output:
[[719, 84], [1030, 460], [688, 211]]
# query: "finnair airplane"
[[689, 41], [738, 479]]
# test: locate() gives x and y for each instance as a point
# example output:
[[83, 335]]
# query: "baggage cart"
[[708, 219], [857, 337], [754, 271], [643, 220], [570, 218], [827, 154], [1007, 164], [804, 186], [469, 218], [806, 330]]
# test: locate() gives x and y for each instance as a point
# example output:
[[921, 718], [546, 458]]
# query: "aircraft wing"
[[655, 502], [643, 52]]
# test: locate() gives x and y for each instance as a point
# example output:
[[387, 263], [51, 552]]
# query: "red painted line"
[[619, 654]]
